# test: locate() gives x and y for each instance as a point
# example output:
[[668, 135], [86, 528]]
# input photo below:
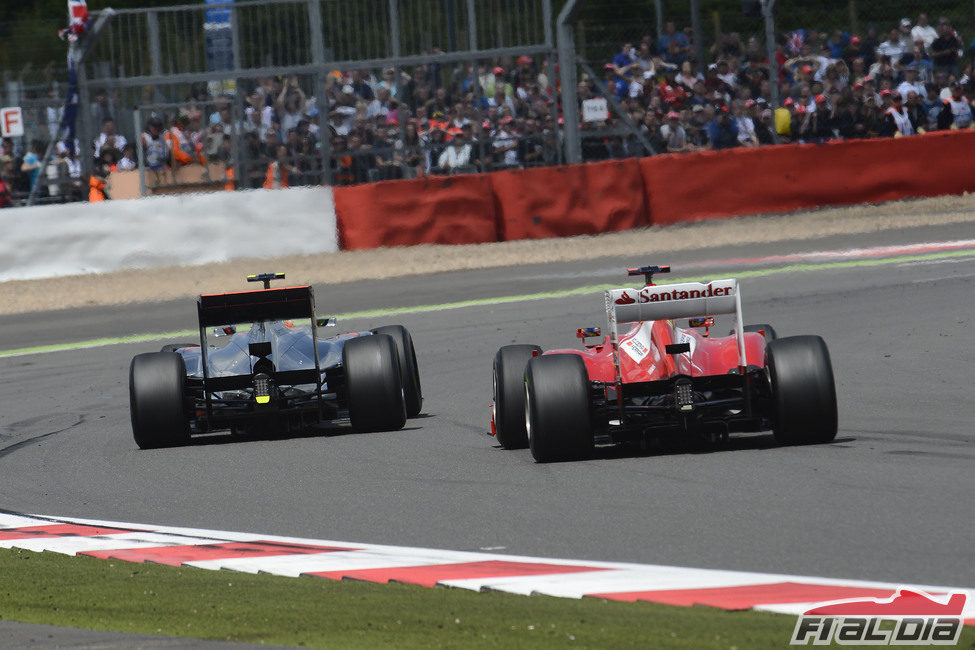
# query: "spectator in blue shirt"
[[623, 62], [32, 163], [673, 45], [722, 130], [837, 44]]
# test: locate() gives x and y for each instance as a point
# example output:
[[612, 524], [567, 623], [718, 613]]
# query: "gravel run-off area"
[[152, 285]]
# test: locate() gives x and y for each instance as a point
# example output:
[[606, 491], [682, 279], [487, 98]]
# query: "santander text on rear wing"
[[670, 301]]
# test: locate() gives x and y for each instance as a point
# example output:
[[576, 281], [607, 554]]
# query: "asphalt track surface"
[[890, 499]]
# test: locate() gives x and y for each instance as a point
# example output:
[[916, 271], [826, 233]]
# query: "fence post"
[[155, 51], [84, 121], [698, 35], [567, 75], [659, 14], [140, 153], [550, 71], [476, 84], [321, 98], [240, 169], [768, 6]]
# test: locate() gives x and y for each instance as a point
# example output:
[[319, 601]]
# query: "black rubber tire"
[[770, 334], [157, 400], [408, 366], [509, 394], [173, 347], [374, 383], [803, 390], [558, 408]]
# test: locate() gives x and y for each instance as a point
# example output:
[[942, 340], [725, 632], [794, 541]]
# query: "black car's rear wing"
[[283, 303]]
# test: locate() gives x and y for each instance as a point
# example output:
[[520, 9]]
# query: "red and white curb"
[[293, 556]]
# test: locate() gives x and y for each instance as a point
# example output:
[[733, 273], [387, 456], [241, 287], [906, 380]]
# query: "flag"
[[78, 21]]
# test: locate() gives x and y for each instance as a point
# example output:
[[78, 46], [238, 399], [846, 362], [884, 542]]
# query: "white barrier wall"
[[189, 229]]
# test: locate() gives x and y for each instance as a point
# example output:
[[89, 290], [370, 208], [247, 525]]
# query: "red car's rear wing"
[[283, 303], [669, 301]]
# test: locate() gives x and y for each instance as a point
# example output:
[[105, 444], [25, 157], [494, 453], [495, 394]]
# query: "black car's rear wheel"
[[374, 383], [173, 347], [558, 409], [157, 400], [409, 368], [803, 390], [509, 394]]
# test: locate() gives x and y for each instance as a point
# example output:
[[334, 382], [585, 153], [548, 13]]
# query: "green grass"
[[313, 612]]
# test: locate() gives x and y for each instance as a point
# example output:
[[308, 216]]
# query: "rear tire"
[[374, 383], [173, 347], [156, 400], [803, 390], [558, 409], [509, 394], [408, 367], [770, 334]]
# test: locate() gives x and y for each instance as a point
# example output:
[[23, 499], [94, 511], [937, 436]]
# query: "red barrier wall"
[[621, 194], [570, 200], [690, 187], [430, 210]]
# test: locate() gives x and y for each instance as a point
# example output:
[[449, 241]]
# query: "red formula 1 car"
[[658, 379]]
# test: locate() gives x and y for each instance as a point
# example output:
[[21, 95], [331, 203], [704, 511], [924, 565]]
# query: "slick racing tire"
[[558, 411], [408, 366], [509, 394], [156, 400], [803, 391], [770, 334], [375, 384], [174, 347]]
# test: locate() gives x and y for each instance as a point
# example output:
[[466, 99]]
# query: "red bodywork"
[[643, 356]]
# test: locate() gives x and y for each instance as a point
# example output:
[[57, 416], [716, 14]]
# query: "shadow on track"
[[690, 446], [329, 430]]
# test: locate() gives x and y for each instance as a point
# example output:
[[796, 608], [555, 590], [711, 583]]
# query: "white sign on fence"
[[595, 110], [11, 122]]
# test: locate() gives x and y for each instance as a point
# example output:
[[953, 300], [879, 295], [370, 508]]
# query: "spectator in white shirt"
[[108, 137], [505, 144], [344, 112], [381, 105], [910, 83], [456, 158], [893, 47], [923, 31]]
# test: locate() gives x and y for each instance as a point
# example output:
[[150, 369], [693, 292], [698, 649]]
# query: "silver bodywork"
[[292, 349], [291, 346]]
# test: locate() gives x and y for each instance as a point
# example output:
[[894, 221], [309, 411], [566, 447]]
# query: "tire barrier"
[[430, 210]]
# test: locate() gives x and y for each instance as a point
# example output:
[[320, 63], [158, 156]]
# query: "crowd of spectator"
[[830, 86], [505, 113], [428, 121]]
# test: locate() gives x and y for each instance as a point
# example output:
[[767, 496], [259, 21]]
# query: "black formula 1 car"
[[267, 370]]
